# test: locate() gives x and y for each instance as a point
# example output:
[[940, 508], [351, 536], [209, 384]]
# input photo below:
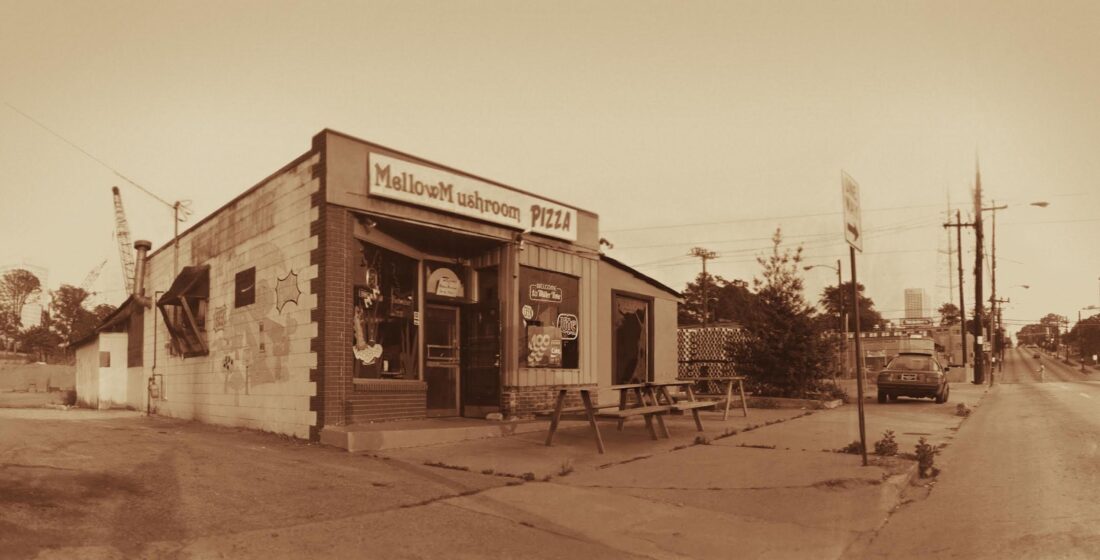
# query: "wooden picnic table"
[[729, 381], [640, 408], [660, 389]]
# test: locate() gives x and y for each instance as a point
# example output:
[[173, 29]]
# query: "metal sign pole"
[[853, 228], [859, 362]]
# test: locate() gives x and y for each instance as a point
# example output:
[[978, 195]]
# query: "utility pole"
[[979, 319], [705, 255], [958, 225]]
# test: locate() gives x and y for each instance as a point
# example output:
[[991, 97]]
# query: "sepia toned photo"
[[549, 280]]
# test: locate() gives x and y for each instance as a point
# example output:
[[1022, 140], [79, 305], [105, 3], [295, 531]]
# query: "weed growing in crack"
[[528, 476], [756, 446], [701, 440], [487, 471], [854, 448], [443, 465], [566, 467], [887, 446], [962, 410], [926, 457]]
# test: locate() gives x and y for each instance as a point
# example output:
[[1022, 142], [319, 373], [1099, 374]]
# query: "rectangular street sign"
[[853, 222]]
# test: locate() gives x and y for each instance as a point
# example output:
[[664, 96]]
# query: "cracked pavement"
[[122, 485]]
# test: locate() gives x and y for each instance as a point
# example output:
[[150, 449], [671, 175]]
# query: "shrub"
[[926, 456], [854, 448], [887, 446]]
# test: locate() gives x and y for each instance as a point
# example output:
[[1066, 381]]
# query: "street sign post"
[[853, 234], [853, 219]]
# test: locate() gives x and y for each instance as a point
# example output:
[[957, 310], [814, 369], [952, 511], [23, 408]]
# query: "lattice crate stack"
[[705, 351]]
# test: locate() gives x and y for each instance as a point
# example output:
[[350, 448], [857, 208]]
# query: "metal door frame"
[[456, 363]]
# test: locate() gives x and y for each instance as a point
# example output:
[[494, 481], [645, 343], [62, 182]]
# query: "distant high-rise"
[[915, 303]]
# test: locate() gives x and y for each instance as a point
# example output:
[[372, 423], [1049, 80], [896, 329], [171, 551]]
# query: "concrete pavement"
[[125, 485], [1021, 482]]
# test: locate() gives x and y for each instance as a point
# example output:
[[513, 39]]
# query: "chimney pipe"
[[142, 247]]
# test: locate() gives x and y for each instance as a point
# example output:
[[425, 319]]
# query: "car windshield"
[[913, 363]]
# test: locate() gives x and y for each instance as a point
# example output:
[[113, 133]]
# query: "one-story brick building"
[[361, 284]]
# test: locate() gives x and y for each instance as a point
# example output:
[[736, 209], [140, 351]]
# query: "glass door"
[[442, 359]]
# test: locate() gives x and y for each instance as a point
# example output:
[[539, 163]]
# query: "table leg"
[[744, 403], [556, 417], [660, 416], [729, 397], [591, 412], [694, 411], [622, 406], [647, 417]]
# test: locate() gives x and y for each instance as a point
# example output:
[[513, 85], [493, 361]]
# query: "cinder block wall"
[[258, 371]]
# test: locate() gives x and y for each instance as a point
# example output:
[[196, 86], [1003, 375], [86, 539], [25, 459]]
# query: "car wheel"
[[942, 396], [881, 397]]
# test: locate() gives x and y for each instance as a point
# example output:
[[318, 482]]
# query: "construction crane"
[[125, 248], [90, 279], [92, 276]]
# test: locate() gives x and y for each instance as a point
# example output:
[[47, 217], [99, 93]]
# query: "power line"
[[764, 219], [92, 157]]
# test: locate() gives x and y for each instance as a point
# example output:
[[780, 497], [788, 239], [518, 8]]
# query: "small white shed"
[[102, 378]]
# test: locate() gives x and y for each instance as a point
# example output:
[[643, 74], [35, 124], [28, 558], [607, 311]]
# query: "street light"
[[842, 330], [994, 316]]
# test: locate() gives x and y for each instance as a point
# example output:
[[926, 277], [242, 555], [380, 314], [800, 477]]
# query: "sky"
[[681, 124]]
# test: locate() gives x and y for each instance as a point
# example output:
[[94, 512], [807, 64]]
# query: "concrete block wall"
[[258, 370]]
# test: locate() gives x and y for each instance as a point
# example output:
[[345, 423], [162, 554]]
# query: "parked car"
[[914, 374]]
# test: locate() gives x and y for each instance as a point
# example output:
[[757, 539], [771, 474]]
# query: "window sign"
[[544, 346], [549, 305], [568, 325], [446, 281], [545, 292], [384, 341]]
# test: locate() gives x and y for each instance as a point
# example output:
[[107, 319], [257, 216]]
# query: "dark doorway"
[[481, 348], [442, 359], [630, 340]]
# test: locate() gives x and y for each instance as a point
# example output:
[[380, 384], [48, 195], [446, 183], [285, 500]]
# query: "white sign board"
[[853, 221], [411, 183]]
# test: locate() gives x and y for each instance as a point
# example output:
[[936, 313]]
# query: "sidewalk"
[[773, 489]]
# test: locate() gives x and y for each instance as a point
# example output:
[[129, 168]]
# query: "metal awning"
[[193, 281]]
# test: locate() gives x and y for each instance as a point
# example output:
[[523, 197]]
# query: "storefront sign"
[[434, 188], [445, 282], [569, 326], [544, 292]]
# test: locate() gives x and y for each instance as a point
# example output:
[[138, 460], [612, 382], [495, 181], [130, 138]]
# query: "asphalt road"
[[1022, 479]]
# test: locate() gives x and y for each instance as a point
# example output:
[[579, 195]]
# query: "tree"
[[784, 353], [16, 287], [70, 320], [40, 341], [868, 316], [949, 314], [727, 300], [9, 324]]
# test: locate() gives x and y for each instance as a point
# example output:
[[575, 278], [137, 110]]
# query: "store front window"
[[549, 303], [385, 335]]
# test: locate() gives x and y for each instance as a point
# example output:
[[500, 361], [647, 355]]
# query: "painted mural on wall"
[[254, 339]]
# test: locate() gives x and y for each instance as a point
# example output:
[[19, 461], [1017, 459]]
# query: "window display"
[[384, 296], [549, 303]]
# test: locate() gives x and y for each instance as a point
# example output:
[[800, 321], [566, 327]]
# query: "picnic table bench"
[[728, 380]]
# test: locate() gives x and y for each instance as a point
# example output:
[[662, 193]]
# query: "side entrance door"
[[443, 359]]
